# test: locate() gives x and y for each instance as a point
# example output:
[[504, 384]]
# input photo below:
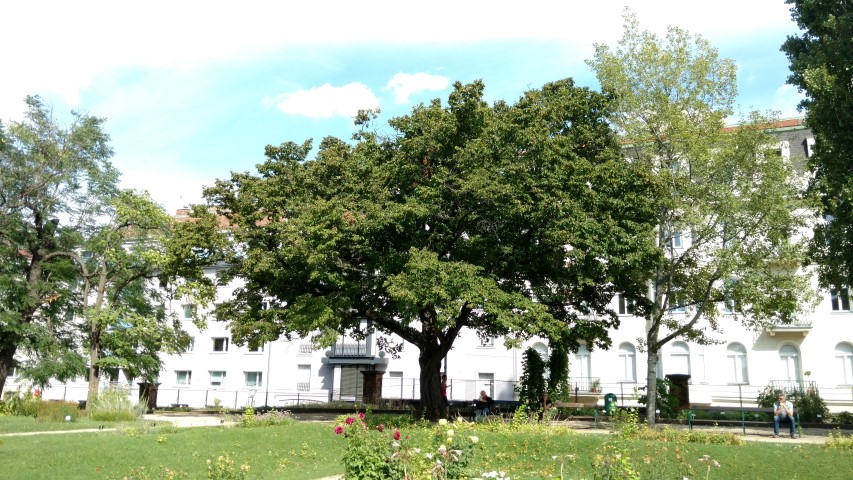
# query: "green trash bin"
[[610, 403]]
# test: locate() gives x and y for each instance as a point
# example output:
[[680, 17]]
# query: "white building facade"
[[816, 351]]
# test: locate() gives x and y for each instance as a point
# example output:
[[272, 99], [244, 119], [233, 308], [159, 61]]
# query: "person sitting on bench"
[[783, 411], [483, 405]]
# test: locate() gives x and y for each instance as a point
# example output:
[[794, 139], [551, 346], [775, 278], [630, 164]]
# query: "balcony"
[[585, 385], [349, 350], [801, 325], [793, 388]]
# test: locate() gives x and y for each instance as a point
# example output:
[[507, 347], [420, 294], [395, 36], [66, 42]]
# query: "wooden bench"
[[593, 406], [743, 411]]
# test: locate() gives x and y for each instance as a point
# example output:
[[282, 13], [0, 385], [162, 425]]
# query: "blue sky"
[[194, 90]]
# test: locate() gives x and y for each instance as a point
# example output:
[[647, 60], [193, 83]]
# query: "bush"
[[20, 404], [842, 417], [114, 404], [251, 419], [57, 411], [382, 452], [666, 402], [810, 406]]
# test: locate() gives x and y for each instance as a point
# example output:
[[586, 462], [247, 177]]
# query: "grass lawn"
[[307, 450], [30, 424]]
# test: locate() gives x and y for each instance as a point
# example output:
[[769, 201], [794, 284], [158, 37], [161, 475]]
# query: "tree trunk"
[[94, 356], [7, 358], [651, 383], [432, 405]]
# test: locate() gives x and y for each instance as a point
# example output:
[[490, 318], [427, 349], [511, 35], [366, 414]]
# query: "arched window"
[[628, 362], [679, 358], [844, 356], [542, 350], [790, 367], [736, 356]]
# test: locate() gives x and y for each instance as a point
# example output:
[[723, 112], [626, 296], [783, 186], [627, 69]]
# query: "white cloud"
[[786, 101], [325, 101], [61, 46], [405, 84]]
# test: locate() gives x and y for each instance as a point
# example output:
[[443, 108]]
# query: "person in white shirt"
[[783, 411]]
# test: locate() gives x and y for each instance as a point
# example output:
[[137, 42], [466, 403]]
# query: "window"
[[220, 344], [677, 302], [736, 359], [217, 378], [582, 363], [626, 306], [254, 379], [628, 362], [189, 311], [183, 377], [303, 378], [256, 349], [679, 358], [840, 299], [673, 238], [305, 349], [486, 381], [487, 341], [844, 356], [190, 345], [729, 304], [790, 363], [12, 373]]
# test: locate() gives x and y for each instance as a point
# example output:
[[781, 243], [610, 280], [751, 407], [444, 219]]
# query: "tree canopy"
[[730, 205], [507, 219], [84, 265], [822, 67]]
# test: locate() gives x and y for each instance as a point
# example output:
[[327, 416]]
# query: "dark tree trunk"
[[432, 405], [7, 357]]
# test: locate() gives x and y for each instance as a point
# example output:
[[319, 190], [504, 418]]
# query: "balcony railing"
[[793, 387], [801, 324], [585, 384], [349, 350]]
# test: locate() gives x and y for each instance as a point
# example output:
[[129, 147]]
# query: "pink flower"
[[381, 427], [360, 416], [339, 430], [396, 434], [350, 420]]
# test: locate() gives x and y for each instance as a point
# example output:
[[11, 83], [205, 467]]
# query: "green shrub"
[[838, 441], [21, 404], [383, 452], [810, 405], [842, 417], [114, 404], [57, 411], [667, 402], [251, 419]]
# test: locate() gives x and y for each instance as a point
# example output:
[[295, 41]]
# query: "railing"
[[585, 384], [303, 386], [800, 322], [793, 386], [349, 350]]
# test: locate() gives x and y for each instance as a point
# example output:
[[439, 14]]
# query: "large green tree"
[[504, 219], [85, 266], [130, 266], [822, 67], [52, 184], [729, 204]]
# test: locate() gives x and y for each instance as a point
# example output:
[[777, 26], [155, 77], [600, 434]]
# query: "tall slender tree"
[[505, 219], [821, 60], [730, 204]]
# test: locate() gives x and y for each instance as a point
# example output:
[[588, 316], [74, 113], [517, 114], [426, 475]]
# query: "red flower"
[[360, 416], [339, 430], [350, 420], [381, 427], [396, 434]]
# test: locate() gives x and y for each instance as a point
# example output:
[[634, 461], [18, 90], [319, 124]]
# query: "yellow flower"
[[450, 432], [474, 440], [442, 422]]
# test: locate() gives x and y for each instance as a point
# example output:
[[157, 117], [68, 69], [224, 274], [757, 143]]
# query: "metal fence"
[[837, 398]]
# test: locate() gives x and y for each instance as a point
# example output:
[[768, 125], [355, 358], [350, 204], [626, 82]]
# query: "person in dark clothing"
[[483, 405], [545, 404]]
